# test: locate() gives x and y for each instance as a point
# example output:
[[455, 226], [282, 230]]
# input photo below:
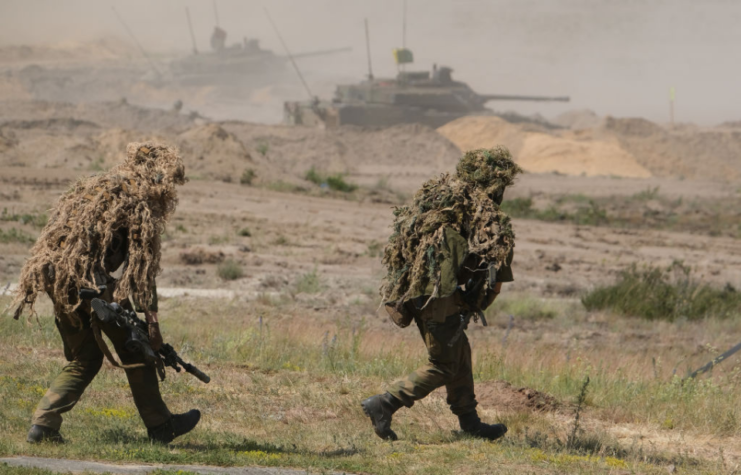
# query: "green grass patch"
[[248, 176], [585, 211], [230, 270], [647, 209], [668, 293], [263, 148], [285, 187], [334, 182], [11, 235], [36, 220], [309, 283], [525, 306]]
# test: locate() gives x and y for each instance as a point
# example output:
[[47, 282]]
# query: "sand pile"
[[405, 155], [683, 151], [542, 153], [538, 151], [90, 137], [212, 149], [619, 147]]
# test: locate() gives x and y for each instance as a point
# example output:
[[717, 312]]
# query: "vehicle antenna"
[[367, 48], [141, 48], [404, 30], [288, 53], [190, 27], [404, 26]]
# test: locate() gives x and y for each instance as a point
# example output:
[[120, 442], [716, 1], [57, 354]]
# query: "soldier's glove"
[[155, 337]]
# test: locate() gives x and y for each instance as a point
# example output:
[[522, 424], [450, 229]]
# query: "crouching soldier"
[[447, 259], [106, 223]]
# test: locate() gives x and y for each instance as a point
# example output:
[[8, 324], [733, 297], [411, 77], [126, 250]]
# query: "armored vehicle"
[[233, 64], [422, 97]]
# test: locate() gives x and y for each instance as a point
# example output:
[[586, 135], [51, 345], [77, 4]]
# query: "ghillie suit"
[[467, 203], [449, 254], [135, 198], [102, 224]]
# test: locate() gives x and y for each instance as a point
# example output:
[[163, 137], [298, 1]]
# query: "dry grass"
[[287, 381]]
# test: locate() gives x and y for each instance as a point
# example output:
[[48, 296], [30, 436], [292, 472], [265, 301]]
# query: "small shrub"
[[285, 187], [313, 176], [262, 148], [230, 270], [647, 195], [525, 307], [180, 228], [669, 293], [16, 235], [333, 182], [216, 240], [593, 215], [36, 220], [338, 183], [375, 248], [281, 240], [309, 283], [518, 207], [96, 165], [247, 177], [244, 232]]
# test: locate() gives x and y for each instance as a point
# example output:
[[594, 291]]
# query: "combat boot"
[[471, 424], [178, 425], [380, 408], [39, 434]]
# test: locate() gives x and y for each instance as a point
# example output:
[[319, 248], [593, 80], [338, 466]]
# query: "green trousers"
[[85, 359], [448, 366]]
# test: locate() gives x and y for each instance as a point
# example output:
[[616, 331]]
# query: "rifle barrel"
[[715, 361], [506, 97]]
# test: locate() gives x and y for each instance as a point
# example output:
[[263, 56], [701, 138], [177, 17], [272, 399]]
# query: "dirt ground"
[[291, 234]]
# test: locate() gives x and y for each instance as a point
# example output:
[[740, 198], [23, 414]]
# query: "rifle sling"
[[106, 351]]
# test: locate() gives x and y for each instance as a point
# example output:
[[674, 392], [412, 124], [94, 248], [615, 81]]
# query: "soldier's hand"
[[155, 337]]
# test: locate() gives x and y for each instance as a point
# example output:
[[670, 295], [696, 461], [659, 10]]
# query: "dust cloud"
[[617, 58]]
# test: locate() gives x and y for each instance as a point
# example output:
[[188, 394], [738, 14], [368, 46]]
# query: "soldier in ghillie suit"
[[103, 224], [446, 260]]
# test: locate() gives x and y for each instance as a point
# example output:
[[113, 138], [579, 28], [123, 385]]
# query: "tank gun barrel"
[[322, 52], [505, 97]]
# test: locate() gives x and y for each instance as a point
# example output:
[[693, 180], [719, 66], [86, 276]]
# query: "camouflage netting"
[[464, 202], [139, 196]]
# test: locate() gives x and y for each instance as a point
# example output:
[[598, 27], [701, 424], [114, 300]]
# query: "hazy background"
[[614, 57]]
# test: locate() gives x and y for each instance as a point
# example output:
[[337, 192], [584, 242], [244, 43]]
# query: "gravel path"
[[78, 466]]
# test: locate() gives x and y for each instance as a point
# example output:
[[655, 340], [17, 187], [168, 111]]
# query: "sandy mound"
[[683, 151], [503, 396], [469, 133], [538, 151], [92, 137], [406, 155], [629, 147], [212, 149], [541, 153]]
